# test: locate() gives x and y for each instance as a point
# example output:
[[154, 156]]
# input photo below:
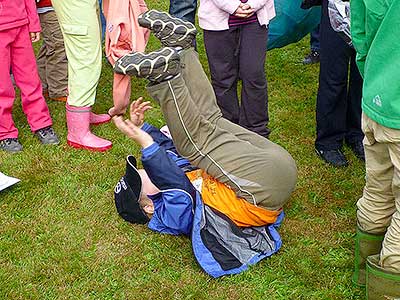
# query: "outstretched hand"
[[137, 111], [131, 128]]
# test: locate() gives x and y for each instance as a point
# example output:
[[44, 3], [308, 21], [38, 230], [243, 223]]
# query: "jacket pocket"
[[75, 29]]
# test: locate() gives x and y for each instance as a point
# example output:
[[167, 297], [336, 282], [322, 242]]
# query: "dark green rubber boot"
[[381, 284], [366, 244]]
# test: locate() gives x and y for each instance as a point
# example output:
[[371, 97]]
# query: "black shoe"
[[358, 149], [47, 136], [311, 58], [10, 145], [171, 31], [156, 66], [333, 157]]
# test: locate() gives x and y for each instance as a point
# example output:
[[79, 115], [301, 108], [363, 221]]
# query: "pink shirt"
[[16, 13], [214, 14]]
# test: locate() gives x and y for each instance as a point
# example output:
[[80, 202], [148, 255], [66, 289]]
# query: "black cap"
[[127, 194]]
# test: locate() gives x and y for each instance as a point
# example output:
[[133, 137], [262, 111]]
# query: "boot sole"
[[153, 66], [171, 31], [94, 149]]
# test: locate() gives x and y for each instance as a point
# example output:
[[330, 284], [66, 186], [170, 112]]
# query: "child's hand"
[[244, 11], [132, 131], [137, 110], [35, 36], [116, 112]]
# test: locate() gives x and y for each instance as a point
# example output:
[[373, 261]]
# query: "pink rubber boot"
[[79, 135], [99, 119]]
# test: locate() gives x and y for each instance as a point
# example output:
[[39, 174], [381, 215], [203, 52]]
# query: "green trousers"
[[257, 170], [79, 22]]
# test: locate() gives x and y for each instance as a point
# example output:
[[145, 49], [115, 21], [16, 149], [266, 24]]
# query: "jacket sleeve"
[[163, 171], [34, 23], [257, 4], [173, 212], [229, 6], [358, 15]]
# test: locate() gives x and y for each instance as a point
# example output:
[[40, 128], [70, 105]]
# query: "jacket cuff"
[[149, 151], [146, 127]]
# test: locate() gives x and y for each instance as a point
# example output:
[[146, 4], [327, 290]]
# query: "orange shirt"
[[220, 197]]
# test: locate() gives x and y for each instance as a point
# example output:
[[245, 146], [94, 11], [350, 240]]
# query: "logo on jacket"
[[377, 101]]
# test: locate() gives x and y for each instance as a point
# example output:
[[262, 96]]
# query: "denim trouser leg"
[[184, 9]]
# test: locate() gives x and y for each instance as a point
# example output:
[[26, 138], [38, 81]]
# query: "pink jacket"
[[16, 13], [214, 14], [123, 35]]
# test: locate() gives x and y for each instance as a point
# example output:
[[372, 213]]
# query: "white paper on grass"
[[7, 181]]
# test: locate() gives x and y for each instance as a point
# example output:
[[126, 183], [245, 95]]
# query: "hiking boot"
[[171, 31], [10, 145], [47, 136], [334, 157], [311, 58], [156, 66]]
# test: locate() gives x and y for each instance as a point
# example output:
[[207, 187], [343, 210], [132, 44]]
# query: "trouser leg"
[[41, 64], [55, 58], [332, 91], [24, 68], [378, 209], [204, 98], [183, 9], [265, 177], [222, 53], [7, 92], [254, 100], [390, 254], [80, 26], [354, 133], [314, 39]]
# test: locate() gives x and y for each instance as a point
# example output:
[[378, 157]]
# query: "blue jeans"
[[183, 9], [314, 39], [102, 19]]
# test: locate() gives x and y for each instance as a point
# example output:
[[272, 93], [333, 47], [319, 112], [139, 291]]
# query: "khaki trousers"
[[257, 170], [52, 60], [379, 207], [79, 21]]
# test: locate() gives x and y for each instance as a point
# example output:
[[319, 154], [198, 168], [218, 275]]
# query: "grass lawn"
[[61, 238]]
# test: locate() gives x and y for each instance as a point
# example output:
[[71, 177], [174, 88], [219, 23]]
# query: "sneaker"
[[10, 145], [358, 149], [311, 58], [334, 157], [156, 66], [171, 31], [47, 136]]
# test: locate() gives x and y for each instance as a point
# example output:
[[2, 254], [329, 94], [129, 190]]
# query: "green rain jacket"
[[375, 29]]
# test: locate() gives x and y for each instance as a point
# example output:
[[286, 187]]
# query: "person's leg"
[[390, 254], [79, 23], [56, 59], [254, 100], [265, 177], [377, 212], [7, 93], [41, 59], [183, 9], [332, 91], [203, 96], [23, 65], [354, 133], [222, 53], [314, 39]]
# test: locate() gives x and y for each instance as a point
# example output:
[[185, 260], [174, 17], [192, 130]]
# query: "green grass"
[[61, 238]]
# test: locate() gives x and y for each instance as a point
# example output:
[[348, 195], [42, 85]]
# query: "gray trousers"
[[257, 170]]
